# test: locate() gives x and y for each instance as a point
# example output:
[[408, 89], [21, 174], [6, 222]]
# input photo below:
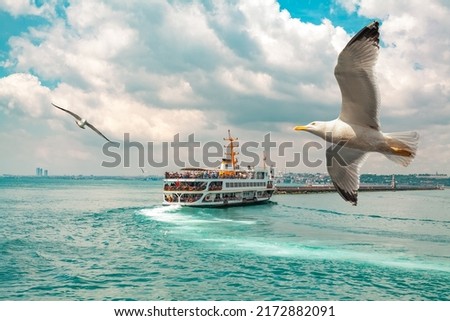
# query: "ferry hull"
[[221, 204]]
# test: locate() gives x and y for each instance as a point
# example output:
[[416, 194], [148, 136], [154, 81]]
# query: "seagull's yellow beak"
[[301, 128]]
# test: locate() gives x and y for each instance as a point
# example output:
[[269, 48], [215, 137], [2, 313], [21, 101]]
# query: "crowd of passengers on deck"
[[215, 186], [190, 198], [192, 174], [185, 186], [225, 174]]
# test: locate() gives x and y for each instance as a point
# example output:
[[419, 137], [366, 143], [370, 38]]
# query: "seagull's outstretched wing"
[[354, 73], [96, 130], [343, 165], [68, 111]]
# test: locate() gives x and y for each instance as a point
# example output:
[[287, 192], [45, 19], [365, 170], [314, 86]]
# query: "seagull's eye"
[[313, 123]]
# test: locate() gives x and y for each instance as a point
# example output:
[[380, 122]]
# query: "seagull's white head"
[[318, 128]]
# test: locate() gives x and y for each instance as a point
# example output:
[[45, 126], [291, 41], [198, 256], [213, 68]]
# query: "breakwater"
[[362, 188]]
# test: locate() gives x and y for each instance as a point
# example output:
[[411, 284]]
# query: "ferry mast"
[[230, 152]]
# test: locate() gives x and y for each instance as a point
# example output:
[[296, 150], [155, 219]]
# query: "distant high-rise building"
[[41, 172]]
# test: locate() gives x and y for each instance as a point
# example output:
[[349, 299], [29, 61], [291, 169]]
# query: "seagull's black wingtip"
[[371, 32], [352, 197]]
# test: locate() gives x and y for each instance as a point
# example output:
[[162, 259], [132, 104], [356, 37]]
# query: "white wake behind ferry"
[[227, 185]]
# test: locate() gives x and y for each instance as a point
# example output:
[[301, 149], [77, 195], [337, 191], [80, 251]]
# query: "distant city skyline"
[[277, 174], [157, 69], [41, 171]]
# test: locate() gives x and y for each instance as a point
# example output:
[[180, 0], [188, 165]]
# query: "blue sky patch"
[[315, 11]]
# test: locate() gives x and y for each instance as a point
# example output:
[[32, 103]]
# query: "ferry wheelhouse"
[[227, 185]]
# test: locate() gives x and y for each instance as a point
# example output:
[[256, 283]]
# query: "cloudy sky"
[[158, 68]]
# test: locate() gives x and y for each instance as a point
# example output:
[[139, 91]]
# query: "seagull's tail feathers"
[[402, 147]]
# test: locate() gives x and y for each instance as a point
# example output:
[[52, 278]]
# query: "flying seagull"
[[81, 122], [357, 129]]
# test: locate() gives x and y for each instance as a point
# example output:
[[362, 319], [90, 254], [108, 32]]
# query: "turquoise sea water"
[[63, 239]]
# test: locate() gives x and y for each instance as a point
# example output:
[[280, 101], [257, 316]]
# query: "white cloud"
[[24, 93], [415, 64], [158, 68], [349, 5], [116, 114]]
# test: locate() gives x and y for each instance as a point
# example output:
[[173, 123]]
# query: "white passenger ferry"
[[227, 185]]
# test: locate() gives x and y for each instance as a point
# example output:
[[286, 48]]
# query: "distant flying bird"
[[81, 122], [357, 129]]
